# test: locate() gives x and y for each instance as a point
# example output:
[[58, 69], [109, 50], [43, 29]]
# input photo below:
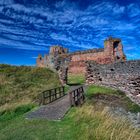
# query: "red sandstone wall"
[[100, 57], [77, 67], [77, 64], [40, 63], [78, 59]]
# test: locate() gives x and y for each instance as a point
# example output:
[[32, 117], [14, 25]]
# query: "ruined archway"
[[76, 72], [116, 52]]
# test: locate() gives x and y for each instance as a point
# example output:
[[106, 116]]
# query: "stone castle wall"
[[78, 60], [60, 60], [122, 75], [59, 56], [112, 52]]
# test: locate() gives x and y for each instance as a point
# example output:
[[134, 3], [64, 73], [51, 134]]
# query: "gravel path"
[[53, 111]]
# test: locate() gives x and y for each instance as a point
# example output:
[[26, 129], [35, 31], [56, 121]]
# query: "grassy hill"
[[21, 85]]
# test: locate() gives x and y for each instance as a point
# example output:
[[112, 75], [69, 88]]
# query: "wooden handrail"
[[77, 96], [51, 95]]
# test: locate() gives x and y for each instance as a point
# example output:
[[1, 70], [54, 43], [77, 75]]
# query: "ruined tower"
[[113, 47], [40, 61]]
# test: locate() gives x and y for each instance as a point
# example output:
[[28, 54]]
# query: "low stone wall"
[[62, 72], [87, 51], [122, 75]]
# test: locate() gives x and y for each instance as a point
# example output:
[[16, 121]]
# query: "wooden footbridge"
[[55, 103]]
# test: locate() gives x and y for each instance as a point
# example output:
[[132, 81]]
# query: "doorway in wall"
[[75, 78], [116, 51]]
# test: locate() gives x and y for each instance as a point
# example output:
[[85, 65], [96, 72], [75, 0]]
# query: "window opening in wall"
[[100, 79], [112, 69], [116, 51]]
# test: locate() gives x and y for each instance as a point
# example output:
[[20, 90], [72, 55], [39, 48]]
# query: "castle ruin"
[[61, 60], [105, 67]]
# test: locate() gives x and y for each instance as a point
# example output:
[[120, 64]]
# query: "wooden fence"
[[51, 95], [77, 96]]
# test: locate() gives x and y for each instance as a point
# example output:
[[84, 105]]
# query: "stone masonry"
[[121, 75], [60, 60], [112, 52]]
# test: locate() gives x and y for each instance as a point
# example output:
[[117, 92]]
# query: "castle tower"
[[114, 49], [57, 50], [40, 61]]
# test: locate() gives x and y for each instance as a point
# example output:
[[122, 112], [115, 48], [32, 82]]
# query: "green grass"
[[19, 127], [76, 78], [15, 112], [83, 123], [67, 87], [21, 85], [94, 90]]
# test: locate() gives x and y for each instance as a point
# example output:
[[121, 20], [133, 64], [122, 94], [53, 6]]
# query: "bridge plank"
[[53, 111]]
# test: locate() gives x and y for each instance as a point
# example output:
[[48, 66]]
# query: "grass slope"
[[76, 78], [21, 85], [94, 90]]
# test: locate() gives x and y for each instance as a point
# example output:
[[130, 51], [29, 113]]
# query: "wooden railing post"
[[77, 97], [59, 92], [70, 96], [63, 90], [55, 92], [50, 96], [43, 101], [74, 98]]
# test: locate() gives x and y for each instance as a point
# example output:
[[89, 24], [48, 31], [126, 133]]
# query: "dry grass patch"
[[99, 124]]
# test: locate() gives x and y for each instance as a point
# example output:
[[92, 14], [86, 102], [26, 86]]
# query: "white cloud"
[[6, 2], [20, 45], [68, 25], [34, 57], [124, 26], [133, 10], [118, 9]]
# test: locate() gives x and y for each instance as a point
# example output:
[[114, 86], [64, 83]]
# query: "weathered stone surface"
[[121, 75]]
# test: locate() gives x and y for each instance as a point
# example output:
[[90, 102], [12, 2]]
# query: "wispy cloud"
[[36, 25], [133, 9]]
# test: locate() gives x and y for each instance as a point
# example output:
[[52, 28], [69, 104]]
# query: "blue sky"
[[30, 27]]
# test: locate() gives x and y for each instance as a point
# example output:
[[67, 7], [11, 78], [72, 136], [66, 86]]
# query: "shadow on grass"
[[74, 84]]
